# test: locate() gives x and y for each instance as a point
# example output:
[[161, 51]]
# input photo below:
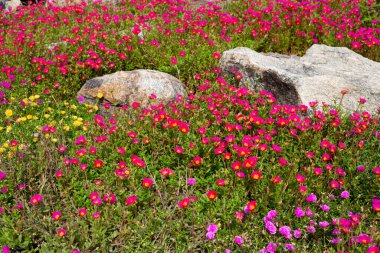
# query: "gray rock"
[[320, 75], [11, 5], [126, 87]]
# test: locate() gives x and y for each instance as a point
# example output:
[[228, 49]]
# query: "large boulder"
[[126, 87], [320, 75], [9, 5]]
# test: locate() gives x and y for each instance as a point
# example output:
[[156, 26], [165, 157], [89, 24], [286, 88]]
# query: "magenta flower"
[[212, 228], [6, 249], [238, 240], [271, 248], [2, 175], [191, 181], [289, 246], [210, 235], [299, 212], [272, 214], [311, 198], [297, 233], [323, 224], [271, 227], [325, 208], [345, 195]]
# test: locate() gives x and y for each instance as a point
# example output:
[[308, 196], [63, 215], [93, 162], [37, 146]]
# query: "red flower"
[[276, 180], [197, 160], [98, 163], [184, 203], [211, 195], [252, 205]]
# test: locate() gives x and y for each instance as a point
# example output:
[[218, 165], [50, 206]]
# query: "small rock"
[[126, 87]]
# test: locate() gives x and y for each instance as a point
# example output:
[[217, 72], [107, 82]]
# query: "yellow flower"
[[96, 107], [8, 113], [74, 107], [66, 128], [29, 116], [100, 95], [9, 128], [54, 140], [5, 144], [77, 123], [46, 116], [2, 150]]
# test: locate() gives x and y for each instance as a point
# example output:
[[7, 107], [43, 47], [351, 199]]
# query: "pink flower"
[[56, 215], [131, 200], [36, 199], [61, 232]]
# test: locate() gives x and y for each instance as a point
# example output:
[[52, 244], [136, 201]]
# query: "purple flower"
[[271, 248], [271, 227], [336, 240], [336, 232], [212, 228], [191, 181], [345, 194], [324, 224], [311, 229], [299, 212], [272, 214], [325, 208], [228, 251], [238, 240], [311, 198], [210, 235], [289, 246]]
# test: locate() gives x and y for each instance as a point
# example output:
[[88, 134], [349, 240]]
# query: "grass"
[[226, 169]]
